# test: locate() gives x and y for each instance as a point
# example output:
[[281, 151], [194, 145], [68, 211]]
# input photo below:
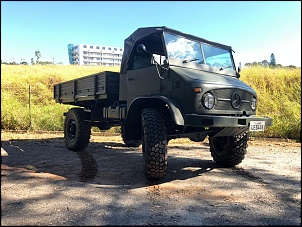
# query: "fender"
[[140, 103]]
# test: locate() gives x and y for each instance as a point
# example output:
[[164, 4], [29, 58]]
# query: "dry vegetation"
[[279, 96]]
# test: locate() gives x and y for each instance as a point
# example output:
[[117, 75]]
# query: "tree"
[[273, 60], [291, 66], [254, 63], [38, 55], [265, 63], [247, 64], [32, 61], [45, 63]]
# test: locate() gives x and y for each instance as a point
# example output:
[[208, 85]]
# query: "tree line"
[[272, 63], [33, 62]]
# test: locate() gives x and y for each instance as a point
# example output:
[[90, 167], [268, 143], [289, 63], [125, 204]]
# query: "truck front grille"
[[224, 99]]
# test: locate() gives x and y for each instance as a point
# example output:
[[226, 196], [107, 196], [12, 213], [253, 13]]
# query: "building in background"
[[86, 54], [70, 50]]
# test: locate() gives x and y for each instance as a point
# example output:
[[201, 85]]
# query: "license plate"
[[257, 126]]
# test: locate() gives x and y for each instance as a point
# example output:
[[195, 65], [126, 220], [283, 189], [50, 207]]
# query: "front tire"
[[76, 130], [229, 151], [154, 144]]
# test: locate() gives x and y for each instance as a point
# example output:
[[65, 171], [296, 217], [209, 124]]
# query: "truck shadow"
[[105, 163]]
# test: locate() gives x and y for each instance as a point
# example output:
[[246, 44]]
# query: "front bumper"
[[223, 121]]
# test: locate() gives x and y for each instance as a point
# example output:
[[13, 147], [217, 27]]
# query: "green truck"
[[170, 85]]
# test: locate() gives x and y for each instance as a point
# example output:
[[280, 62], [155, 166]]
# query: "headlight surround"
[[253, 103], [208, 100]]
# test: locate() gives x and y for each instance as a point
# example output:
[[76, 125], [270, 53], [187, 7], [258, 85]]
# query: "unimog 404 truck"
[[170, 85]]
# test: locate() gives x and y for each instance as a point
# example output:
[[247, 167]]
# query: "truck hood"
[[211, 79]]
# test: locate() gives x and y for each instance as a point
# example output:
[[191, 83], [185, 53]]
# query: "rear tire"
[[229, 151], [129, 143], [76, 130], [154, 144]]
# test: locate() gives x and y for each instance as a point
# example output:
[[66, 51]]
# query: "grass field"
[[27, 96]]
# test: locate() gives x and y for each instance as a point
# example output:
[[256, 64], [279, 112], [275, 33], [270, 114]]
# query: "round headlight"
[[208, 100], [253, 103]]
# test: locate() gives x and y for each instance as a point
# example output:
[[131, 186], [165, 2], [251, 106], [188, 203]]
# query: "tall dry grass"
[[37, 111], [278, 90], [279, 96]]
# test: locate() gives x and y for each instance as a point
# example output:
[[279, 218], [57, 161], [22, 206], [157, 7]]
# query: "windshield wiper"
[[186, 61], [226, 67]]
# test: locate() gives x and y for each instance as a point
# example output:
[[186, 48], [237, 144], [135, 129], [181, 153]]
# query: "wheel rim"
[[220, 144], [72, 129]]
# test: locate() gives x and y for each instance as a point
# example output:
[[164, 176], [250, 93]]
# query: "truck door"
[[142, 82]]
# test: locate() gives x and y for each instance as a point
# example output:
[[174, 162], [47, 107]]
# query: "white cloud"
[[182, 49]]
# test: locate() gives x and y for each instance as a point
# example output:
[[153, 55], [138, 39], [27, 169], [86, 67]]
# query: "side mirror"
[[237, 75], [141, 49], [239, 69], [166, 63]]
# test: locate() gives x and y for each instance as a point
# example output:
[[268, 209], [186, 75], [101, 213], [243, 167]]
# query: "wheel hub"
[[72, 130]]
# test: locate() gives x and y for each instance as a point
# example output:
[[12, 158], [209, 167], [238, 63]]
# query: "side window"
[[155, 51], [141, 61]]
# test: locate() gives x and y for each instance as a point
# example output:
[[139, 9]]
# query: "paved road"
[[43, 183]]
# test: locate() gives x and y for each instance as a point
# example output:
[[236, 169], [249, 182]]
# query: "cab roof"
[[142, 32]]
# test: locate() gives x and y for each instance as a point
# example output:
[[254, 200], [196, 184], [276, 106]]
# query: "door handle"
[[129, 79]]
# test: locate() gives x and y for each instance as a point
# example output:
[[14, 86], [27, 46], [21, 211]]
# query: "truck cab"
[[192, 80]]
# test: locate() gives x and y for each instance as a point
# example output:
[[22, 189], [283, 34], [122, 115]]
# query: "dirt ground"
[[44, 184]]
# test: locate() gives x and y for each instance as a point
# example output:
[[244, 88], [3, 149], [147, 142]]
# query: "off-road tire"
[[229, 151], [76, 131], [129, 143], [154, 144]]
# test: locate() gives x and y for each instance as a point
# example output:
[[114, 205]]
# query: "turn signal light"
[[197, 89]]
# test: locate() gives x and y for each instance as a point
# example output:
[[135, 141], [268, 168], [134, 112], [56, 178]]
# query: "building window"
[[121, 49], [91, 47], [103, 48], [109, 48], [98, 59], [85, 46], [97, 47], [84, 52], [115, 49]]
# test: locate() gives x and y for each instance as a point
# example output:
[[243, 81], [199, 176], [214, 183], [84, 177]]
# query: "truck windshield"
[[197, 52]]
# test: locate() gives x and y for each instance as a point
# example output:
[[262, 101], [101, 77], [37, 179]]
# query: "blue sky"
[[254, 29]]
